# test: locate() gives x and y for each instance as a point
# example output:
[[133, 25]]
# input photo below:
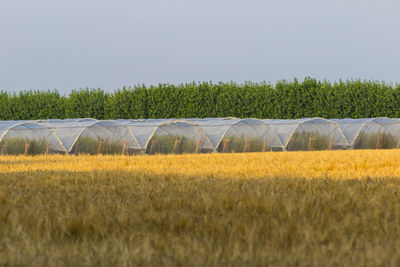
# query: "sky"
[[72, 44]]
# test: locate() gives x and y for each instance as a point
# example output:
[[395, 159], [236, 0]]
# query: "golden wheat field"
[[331, 208]]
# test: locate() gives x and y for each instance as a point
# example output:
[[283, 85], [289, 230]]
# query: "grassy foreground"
[[278, 209]]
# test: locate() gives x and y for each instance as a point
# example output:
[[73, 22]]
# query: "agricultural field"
[[319, 208]]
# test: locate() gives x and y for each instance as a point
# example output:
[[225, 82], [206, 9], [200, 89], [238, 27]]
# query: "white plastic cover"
[[247, 134], [371, 133], [187, 135], [18, 133], [70, 131], [309, 133], [197, 135]]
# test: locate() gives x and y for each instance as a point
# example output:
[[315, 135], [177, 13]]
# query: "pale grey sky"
[[70, 44]]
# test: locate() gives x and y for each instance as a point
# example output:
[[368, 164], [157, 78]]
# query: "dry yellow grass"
[[265, 209], [332, 164]]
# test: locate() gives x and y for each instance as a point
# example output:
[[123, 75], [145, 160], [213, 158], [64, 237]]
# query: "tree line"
[[283, 100]]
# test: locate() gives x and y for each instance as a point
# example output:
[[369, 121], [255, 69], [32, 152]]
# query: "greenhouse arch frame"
[[382, 126], [286, 129], [323, 119], [205, 135], [102, 124], [153, 126], [11, 125], [217, 129]]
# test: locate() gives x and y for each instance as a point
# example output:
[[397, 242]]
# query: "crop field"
[[328, 208]]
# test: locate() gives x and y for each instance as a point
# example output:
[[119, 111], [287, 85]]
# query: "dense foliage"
[[284, 100]]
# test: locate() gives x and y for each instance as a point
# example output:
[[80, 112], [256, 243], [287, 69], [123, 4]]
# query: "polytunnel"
[[29, 138], [371, 133], [309, 134], [169, 136], [91, 136], [239, 135]]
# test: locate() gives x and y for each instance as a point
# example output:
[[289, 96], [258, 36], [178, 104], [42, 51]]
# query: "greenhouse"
[[309, 134], [239, 135], [28, 137], [210, 135], [91, 136], [168, 136], [371, 133]]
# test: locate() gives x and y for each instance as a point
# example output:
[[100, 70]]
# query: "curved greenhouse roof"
[[294, 132], [18, 133], [218, 129], [357, 131], [151, 136], [148, 131], [71, 131]]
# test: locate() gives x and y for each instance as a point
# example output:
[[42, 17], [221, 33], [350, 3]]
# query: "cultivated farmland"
[[285, 208]]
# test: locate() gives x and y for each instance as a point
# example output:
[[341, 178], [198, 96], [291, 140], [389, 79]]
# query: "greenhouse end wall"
[[210, 135]]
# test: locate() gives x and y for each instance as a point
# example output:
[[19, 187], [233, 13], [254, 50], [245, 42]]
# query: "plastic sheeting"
[[92, 136], [169, 136], [239, 135], [309, 134], [152, 136], [14, 135], [371, 133]]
